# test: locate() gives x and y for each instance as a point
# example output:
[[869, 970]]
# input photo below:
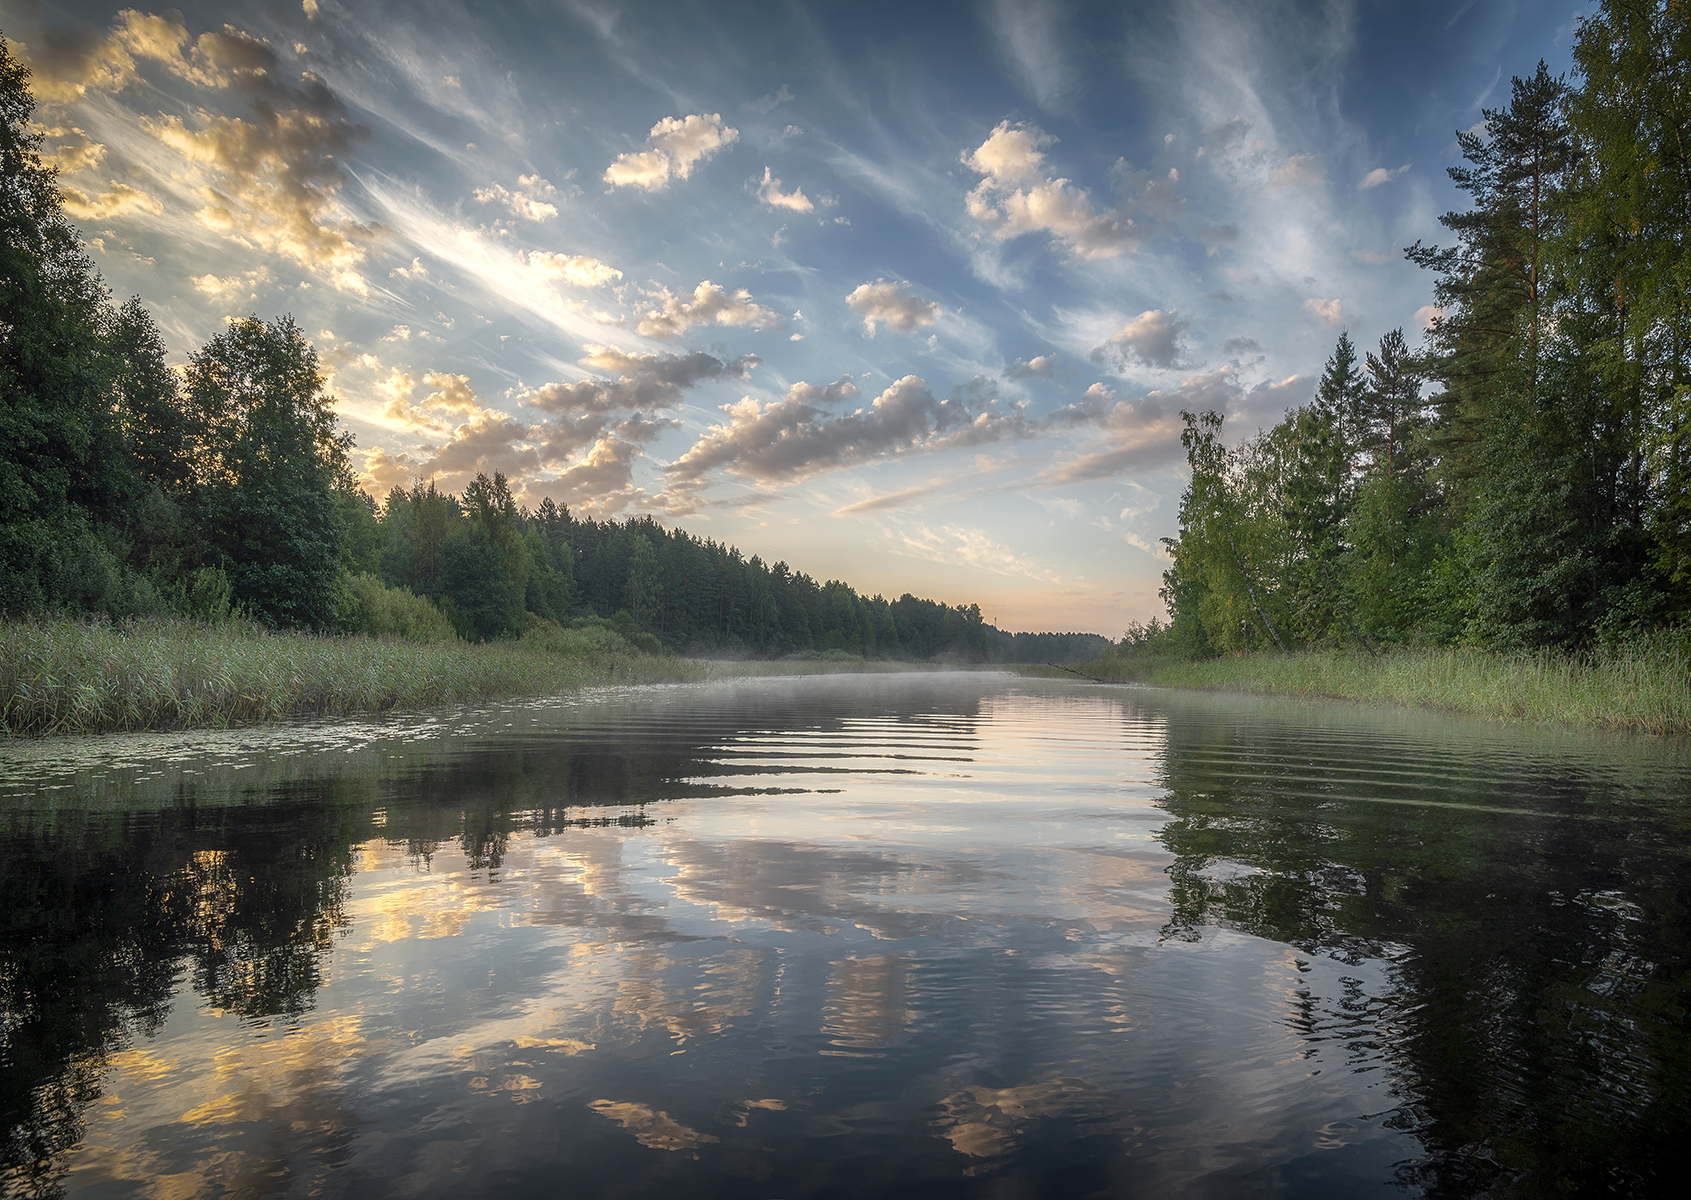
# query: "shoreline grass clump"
[[1642, 685]]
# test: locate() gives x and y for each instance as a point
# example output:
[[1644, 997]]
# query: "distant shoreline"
[[1645, 689]]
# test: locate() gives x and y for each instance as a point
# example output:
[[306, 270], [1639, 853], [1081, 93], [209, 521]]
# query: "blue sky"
[[907, 295]]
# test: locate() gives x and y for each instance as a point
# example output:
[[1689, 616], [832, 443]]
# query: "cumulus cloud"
[[577, 270], [771, 194], [72, 150], [1330, 312], [1153, 338], [709, 304], [532, 199], [674, 147], [1426, 315], [119, 200], [643, 381], [231, 286], [1042, 367], [892, 304], [796, 437], [1380, 175], [1018, 196], [384, 471]]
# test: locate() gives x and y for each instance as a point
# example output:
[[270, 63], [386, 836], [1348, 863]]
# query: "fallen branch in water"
[[1072, 671]]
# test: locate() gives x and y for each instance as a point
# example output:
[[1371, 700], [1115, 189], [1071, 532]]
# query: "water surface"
[[885, 935]]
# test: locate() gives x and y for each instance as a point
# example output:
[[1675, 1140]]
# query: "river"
[[901, 935]]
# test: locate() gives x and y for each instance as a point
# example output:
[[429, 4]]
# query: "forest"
[[131, 489], [1521, 480]]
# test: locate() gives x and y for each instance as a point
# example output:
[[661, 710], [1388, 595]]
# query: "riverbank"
[[1644, 688], [65, 676]]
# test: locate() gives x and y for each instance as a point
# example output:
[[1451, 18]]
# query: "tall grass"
[[1643, 686], [64, 676], [70, 676]]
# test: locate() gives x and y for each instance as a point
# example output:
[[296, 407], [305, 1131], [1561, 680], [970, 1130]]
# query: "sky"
[[906, 295]]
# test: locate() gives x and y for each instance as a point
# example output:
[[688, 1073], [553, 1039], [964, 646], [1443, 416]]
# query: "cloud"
[[1043, 367], [675, 144], [963, 546], [531, 200], [577, 270], [771, 194], [892, 499], [1300, 170], [1145, 432], [1330, 312], [643, 381], [120, 200], [1375, 256], [1380, 175], [488, 442], [233, 285], [795, 438], [892, 304], [1241, 347], [1012, 156], [708, 305], [273, 181], [768, 103], [1028, 33], [75, 150], [384, 471], [1153, 337], [1426, 315]]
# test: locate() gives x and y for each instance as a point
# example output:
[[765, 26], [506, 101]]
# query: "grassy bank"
[[63, 676], [1644, 687]]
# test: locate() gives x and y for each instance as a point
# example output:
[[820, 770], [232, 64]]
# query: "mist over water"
[[958, 935]]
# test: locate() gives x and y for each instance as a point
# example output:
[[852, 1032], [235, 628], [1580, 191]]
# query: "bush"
[[363, 604]]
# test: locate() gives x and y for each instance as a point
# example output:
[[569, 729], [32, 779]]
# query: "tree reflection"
[[1537, 942]]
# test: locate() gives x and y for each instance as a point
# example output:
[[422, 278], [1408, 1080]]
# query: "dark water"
[[875, 936]]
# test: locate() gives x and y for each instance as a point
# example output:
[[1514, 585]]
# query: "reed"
[[71, 676], [1643, 686]]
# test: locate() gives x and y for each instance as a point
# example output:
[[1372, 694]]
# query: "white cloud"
[[771, 194], [1426, 315], [891, 304], [676, 144], [1331, 312], [1380, 175], [1042, 367], [1375, 257], [709, 304], [531, 200], [1011, 157], [577, 270]]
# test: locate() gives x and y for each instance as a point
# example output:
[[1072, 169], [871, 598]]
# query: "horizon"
[[982, 255]]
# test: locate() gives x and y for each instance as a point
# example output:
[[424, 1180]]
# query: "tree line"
[[1522, 479], [129, 488]]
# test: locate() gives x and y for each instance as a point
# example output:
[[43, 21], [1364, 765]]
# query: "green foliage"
[[1542, 498], [363, 604]]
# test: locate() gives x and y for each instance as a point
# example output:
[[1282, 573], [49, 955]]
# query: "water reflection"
[[925, 936]]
